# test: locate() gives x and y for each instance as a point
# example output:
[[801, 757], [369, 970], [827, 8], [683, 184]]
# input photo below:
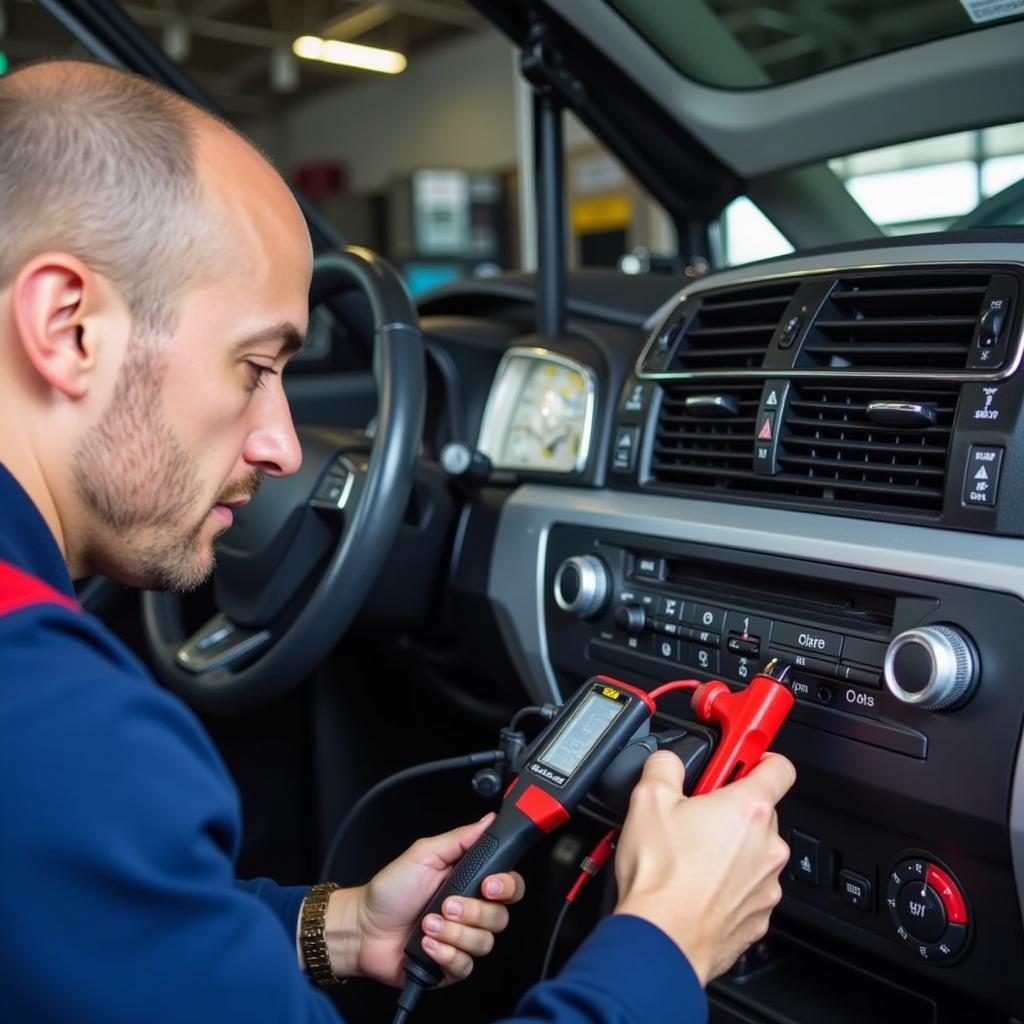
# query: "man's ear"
[[57, 302]]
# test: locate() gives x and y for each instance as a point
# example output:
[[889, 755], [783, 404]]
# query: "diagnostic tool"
[[558, 770]]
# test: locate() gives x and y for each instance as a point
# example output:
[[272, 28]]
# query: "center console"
[[908, 715]]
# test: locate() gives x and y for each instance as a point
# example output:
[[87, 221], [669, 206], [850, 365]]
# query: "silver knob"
[[933, 667], [581, 585]]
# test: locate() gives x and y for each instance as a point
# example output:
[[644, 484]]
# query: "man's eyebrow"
[[287, 333]]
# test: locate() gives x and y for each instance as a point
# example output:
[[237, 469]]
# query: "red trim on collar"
[[19, 589]]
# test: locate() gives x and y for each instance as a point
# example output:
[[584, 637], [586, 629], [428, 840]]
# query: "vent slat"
[[877, 447], [897, 322], [816, 464], [905, 321], [718, 332]]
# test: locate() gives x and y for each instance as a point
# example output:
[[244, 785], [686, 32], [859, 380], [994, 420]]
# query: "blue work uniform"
[[121, 828]]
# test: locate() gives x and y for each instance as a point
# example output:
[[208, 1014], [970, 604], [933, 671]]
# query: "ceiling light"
[[333, 51]]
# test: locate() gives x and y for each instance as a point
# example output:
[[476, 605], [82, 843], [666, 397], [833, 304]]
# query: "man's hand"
[[368, 927], [704, 869]]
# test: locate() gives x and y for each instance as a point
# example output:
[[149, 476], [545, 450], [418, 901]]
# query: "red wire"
[[676, 684]]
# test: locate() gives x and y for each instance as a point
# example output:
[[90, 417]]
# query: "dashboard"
[[817, 459]]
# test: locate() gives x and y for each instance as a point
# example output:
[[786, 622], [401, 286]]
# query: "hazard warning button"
[[981, 480]]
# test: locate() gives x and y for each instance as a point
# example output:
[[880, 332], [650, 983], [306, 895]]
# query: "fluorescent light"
[[333, 51]]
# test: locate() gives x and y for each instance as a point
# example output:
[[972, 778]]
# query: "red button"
[[952, 898], [542, 809]]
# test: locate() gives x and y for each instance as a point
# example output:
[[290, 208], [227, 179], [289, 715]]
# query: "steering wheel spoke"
[[220, 643]]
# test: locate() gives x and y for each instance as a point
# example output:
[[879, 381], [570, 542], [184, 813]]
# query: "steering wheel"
[[302, 557]]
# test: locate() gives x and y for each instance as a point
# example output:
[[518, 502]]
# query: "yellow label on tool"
[[609, 691]]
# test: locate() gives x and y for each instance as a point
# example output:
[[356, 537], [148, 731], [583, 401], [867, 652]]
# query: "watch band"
[[312, 935]]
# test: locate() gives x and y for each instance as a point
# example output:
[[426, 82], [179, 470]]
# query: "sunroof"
[[739, 44]]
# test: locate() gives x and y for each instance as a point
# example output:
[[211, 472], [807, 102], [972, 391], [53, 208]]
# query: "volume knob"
[[582, 584], [932, 667]]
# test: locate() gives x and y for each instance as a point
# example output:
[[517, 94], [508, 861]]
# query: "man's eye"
[[259, 374]]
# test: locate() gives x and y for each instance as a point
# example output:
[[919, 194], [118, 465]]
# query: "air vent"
[[732, 328], [840, 440], [706, 433], [897, 322]]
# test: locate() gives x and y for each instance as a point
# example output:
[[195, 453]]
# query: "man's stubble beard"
[[134, 474]]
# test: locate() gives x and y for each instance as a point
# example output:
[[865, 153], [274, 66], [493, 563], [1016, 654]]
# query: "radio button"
[[702, 637], [737, 645], [703, 658], [865, 652], [803, 664], [751, 627], [703, 616], [803, 638], [860, 676], [855, 889], [672, 608], [738, 667], [648, 568], [667, 650]]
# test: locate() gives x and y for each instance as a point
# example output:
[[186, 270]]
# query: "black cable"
[[554, 940], [477, 760], [546, 711]]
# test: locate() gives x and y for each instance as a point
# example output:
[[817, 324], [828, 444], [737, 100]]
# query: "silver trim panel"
[[489, 441], [930, 256], [516, 581]]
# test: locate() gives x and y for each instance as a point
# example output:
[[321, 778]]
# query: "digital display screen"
[[580, 734]]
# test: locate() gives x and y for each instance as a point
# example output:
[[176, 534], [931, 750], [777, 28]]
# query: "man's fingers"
[[476, 913], [773, 775], [474, 941], [457, 964], [664, 767], [508, 887], [449, 847]]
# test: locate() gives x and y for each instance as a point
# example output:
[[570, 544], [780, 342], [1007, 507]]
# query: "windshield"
[[735, 44]]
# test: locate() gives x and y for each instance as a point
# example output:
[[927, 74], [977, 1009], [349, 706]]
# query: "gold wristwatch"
[[312, 936]]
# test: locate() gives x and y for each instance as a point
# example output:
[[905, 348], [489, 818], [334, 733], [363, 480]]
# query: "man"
[[154, 273]]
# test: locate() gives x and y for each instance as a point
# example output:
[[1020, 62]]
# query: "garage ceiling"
[[239, 51]]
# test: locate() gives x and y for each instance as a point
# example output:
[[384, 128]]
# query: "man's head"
[[154, 272]]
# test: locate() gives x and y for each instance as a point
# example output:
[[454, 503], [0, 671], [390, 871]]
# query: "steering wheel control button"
[[804, 855], [334, 489], [810, 641], [981, 479], [856, 890], [934, 667], [581, 586], [921, 912], [928, 908], [952, 898]]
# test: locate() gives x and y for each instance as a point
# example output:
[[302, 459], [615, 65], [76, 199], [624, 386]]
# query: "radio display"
[[578, 737]]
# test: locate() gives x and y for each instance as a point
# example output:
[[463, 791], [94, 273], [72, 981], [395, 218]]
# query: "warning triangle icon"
[[981, 474], [765, 433], [773, 398]]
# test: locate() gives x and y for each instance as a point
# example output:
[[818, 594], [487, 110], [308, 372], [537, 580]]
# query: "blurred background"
[[422, 150]]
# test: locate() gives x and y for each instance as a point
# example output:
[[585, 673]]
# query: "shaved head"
[[101, 164]]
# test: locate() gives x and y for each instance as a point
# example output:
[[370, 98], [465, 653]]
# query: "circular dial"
[[545, 430], [582, 585], [928, 909], [933, 667]]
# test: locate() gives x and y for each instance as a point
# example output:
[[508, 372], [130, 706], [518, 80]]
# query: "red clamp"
[[749, 720]]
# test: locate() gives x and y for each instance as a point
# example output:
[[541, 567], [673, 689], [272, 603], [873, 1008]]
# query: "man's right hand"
[[704, 869]]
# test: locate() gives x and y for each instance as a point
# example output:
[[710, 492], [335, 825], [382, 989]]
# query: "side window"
[[743, 234], [930, 184]]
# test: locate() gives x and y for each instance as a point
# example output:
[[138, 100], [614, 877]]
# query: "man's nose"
[[273, 446]]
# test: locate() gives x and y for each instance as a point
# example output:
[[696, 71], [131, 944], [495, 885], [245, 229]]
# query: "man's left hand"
[[367, 928]]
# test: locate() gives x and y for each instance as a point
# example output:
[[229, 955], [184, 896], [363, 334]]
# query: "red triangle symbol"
[[765, 433]]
